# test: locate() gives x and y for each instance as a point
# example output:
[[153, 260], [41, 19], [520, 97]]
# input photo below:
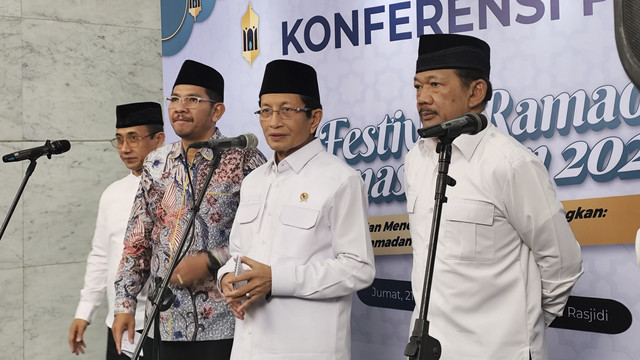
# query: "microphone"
[[471, 123], [246, 141], [49, 148]]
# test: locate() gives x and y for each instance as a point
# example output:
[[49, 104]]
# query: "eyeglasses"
[[284, 113], [190, 102], [132, 140]]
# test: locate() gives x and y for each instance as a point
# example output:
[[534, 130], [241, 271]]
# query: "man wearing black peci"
[[506, 258]]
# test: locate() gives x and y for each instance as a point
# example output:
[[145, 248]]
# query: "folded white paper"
[[129, 348]]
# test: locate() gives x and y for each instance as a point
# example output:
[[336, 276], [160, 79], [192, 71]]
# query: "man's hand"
[[226, 284], [76, 342], [122, 322], [258, 285], [190, 269]]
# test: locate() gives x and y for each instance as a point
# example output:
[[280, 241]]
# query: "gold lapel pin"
[[304, 196]]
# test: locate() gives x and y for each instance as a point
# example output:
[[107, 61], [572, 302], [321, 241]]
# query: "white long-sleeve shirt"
[[106, 251], [306, 217], [506, 258]]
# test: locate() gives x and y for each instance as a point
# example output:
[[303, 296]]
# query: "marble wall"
[[65, 65]]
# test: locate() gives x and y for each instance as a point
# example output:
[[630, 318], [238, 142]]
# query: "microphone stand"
[[421, 346], [162, 297], [30, 169]]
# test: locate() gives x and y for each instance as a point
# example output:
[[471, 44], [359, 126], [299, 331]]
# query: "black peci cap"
[[290, 77], [195, 73], [453, 51], [141, 113]]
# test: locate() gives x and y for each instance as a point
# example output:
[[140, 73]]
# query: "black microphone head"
[[424, 132], [252, 141], [60, 146], [481, 122]]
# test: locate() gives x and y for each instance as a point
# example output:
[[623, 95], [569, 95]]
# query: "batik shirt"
[[161, 211]]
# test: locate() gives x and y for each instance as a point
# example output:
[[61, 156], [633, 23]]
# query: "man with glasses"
[[199, 323], [139, 130], [302, 231]]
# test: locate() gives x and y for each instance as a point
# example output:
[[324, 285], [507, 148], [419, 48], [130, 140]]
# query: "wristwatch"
[[213, 264]]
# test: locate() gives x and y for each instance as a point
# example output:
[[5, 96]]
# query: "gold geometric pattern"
[[194, 8], [250, 48]]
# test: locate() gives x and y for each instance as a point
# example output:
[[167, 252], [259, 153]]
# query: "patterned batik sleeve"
[[134, 266], [252, 160]]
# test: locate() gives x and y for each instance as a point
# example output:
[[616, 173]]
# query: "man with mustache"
[[506, 258], [199, 323]]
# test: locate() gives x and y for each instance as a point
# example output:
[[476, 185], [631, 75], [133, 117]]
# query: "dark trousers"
[[112, 353], [196, 350]]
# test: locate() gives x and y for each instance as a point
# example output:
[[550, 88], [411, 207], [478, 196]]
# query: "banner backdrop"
[[559, 88]]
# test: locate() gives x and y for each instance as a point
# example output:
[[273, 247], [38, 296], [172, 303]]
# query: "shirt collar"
[[177, 150], [299, 158]]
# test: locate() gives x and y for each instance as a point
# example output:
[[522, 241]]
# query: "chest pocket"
[[248, 212], [297, 233], [469, 231], [247, 222], [411, 202]]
